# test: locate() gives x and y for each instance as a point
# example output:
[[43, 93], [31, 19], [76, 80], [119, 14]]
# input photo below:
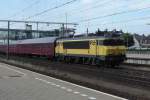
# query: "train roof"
[[36, 40], [85, 38]]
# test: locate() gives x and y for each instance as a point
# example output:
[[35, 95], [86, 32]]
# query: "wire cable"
[[114, 14], [125, 21], [24, 9], [50, 9], [80, 11], [96, 6]]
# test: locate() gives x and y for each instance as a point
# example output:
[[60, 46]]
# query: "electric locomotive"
[[105, 51]]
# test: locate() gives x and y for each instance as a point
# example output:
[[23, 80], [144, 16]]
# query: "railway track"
[[125, 75], [128, 77]]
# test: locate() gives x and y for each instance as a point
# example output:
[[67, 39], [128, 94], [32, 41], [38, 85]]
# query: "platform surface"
[[21, 84]]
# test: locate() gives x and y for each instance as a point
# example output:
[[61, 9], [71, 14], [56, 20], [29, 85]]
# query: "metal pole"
[[87, 32], [87, 29], [8, 40], [63, 28], [37, 29], [127, 43], [66, 23]]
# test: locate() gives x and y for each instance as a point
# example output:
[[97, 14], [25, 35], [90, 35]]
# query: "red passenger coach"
[[38, 46], [3, 48]]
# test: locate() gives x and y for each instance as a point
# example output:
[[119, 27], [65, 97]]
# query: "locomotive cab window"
[[111, 42]]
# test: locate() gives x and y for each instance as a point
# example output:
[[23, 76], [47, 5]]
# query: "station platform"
[[22, 84]]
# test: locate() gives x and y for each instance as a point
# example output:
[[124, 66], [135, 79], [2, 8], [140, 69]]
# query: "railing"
[[138, 57]]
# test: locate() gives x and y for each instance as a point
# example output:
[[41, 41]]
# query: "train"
[[102, 51]]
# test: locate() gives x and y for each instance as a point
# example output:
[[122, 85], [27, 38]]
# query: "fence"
[[138, 57]]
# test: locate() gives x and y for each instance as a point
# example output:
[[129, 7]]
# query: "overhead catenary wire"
[[96, 6], [125, 21], [129, 20], [102, 4], [24, 9], [114, 14], [50, 9], [21, 11], [76, 10], [47, 10]]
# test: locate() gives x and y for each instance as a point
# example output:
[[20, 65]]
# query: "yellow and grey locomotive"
[[92, 50]]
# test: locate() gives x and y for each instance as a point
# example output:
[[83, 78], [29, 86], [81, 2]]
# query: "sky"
[[91, 14]]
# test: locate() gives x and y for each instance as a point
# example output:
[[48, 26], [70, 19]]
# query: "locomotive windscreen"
[[111, 42]]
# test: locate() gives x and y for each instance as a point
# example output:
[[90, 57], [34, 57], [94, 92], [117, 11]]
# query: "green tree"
[[128, 39]]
